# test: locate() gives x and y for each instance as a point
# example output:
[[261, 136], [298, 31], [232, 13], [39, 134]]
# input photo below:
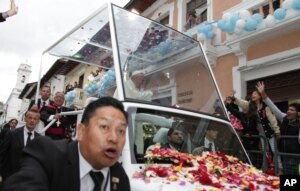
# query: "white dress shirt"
[[206, 144], [86, 182], [26, 135], [47, 102]]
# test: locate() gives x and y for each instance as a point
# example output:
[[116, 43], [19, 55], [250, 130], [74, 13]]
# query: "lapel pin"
[[115, 179]]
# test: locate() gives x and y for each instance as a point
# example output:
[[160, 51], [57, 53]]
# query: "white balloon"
[[270, 21], [245, 14], [238, 31], [240, 23], [201, 37], [227, 16], [287, 4]]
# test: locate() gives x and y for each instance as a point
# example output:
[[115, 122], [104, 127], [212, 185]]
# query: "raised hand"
[[228, 100], [260, 86], [13, 8], [12, 11]]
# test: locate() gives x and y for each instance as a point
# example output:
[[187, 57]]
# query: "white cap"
[[137, 72]]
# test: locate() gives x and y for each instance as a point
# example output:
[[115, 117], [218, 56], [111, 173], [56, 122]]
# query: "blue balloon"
[[207, 28], [164, 48], [108, 80], [257, 17], [67, 97], [235, 17], [250, 25], [200, 30], [222, 24], [229, 27], [296, 5], [90, 90], [209, 35], [280, 14]]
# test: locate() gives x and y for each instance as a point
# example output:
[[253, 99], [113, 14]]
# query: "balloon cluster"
[[70, 97], [108, 80], [242, 21], [91, 88], [206, 31], [164, 48], [237, 22], [291, 4]]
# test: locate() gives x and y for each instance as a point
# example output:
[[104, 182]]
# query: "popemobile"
[[165, 82]]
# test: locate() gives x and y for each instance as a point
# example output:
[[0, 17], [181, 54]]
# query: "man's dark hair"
[[32, 111], [13, 120], [46, 86], [171, 130], [296, 106], [101, 102]]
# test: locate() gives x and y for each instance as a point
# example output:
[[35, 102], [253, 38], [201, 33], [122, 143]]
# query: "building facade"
[[268, 51], [13, 104]]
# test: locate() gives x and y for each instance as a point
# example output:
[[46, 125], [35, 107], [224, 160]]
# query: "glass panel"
[[191, 134], [88, 43], [163, 66]]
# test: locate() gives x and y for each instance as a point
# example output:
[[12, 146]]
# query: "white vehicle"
[[177, 87]]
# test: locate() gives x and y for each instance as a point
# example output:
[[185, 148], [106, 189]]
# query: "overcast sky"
[[38, 25]]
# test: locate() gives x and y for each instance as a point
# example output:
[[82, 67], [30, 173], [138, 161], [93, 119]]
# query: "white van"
[[164, 81]]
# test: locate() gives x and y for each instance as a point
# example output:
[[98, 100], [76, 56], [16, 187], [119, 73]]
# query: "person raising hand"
[[11, 12]]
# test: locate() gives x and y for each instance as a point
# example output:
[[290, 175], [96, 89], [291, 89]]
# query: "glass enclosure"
[[158, 64], [160, 74]]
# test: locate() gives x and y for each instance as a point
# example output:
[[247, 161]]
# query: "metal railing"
[[263, 151], [276, 153]]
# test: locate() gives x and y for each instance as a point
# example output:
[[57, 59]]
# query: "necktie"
[[44, 103], [98, 179], [28, 137], [210, 146]]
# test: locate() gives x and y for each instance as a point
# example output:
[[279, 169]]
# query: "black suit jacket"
[[2, 19], [54, 166], [10, 151], [39, 103], [217, 147]]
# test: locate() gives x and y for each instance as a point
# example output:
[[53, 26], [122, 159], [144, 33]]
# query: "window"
[[165, 20], [151, 127], [80, 85], [23, 79], [196, 4], [266, 8]]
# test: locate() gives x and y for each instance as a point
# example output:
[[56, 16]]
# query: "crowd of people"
[[88, 163], [101, 138], [260, 117]]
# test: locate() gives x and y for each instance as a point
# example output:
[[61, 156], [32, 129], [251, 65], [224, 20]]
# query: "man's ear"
[[80, 131]]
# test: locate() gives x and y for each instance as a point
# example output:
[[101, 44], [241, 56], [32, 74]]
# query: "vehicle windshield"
[[191, 134]]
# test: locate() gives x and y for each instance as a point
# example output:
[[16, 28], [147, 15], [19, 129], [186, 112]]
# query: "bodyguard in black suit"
[[71, 165], [14, 142], [44, 100], [208, 143]]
